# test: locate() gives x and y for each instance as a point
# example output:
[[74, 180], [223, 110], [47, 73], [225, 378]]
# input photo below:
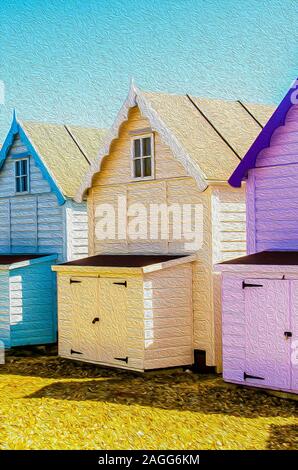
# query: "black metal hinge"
[[121, 283], [123, 359], [245, 284], [247, 376], [72, 281], [75, 352]]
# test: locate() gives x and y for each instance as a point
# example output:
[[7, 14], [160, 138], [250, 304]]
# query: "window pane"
[[24, 183], [146, 146], [24, 167], [137, 168], [137, 148], [18, 185], [18, 168], [147, 166]]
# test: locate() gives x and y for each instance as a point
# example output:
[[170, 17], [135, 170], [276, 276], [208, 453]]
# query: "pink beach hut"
[[260, 291]]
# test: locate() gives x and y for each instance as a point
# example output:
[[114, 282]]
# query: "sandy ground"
[[50, 403]]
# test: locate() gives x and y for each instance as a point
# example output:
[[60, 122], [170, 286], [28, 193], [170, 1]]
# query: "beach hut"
[[260, 291], [175, 152], [40, 169], [127, 311], [27, 300]]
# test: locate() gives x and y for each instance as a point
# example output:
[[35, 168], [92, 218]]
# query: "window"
[[142, 157], [22, 175]]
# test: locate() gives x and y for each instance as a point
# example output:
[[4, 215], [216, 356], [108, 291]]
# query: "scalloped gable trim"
[[263, 140], [136, 98]]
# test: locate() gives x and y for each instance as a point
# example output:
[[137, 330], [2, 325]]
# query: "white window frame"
[[140, 137], [19, 177]]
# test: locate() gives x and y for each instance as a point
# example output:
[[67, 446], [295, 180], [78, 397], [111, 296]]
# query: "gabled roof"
[[63, 153], [208, 137], [263, 139]]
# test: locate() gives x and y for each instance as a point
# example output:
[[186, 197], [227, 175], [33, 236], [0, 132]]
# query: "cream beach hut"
[[167, 149]]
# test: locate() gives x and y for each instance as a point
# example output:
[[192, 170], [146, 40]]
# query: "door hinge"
[[121, 283], [72, 281], [247, 376], [245, 284], [75, 352], [288, 334], [123, 359]]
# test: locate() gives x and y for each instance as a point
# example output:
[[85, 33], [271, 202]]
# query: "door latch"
[[75, 352], [123, 359], [121, 283], [95, 320], [248, 376], [288, 334], [245, 284]]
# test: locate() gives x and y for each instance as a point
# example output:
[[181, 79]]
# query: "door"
[[113, 321], [85, 318], [99, 320], [267, 330]]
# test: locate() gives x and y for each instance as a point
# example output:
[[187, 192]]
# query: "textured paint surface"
[[254, 322], [36, 222], [207, 137], [267, 317], [272, 187], [149, 322], [223, 230], [210, 48], [168, 317], [255, 319], [28, 305]]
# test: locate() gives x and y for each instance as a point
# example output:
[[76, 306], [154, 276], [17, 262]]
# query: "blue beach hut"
[[41, 166]]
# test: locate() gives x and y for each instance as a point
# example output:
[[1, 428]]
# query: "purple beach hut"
[[260, 291]]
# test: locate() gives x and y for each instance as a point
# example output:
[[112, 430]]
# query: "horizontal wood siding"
[[7, 175], [4, 309], [275, 209], [229, 224], [168, 317], [29, 223], [32, 292], [76, 230], [171, 185], [228, 242], [275, 189], [172, 191]]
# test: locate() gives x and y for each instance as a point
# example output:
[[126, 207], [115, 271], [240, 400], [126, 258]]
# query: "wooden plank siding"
[[168, 317], [4, 309], [35, 222], [272, 187], [33, 312], [76, 227], [171, 185]]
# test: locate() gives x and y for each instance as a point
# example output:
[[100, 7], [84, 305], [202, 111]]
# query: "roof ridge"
[[213, 126], [77, 143], [250, 113]]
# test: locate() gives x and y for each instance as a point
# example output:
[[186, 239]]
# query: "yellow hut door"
[[113, 321], [85, 318]]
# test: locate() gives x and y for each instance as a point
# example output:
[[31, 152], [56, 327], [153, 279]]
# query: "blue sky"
[[72, 61]]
